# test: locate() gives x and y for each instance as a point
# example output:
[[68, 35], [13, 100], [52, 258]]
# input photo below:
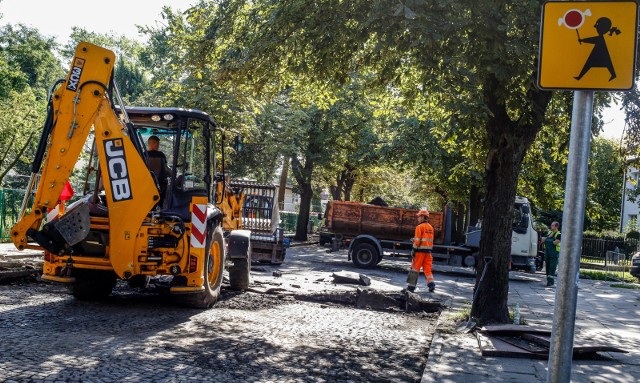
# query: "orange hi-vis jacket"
[[423, 239]]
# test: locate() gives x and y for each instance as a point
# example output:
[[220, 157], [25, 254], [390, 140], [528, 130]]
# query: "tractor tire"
[[365, 256], [240, 273], [92, 285], [213, 271]]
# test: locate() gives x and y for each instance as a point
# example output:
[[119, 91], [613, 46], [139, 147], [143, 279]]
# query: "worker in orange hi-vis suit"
[[421, 252]]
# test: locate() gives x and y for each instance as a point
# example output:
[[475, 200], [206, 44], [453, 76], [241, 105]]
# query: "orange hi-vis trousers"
[[424, 261]]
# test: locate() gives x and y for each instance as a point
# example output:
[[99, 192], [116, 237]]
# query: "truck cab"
[[524, 238]]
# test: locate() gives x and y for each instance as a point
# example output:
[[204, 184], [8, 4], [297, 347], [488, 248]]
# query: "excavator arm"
[[78, 105]]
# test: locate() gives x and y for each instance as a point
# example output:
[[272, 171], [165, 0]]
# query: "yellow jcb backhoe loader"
[[137, 222]]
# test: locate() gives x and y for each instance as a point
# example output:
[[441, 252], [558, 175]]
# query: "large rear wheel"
[[365, 255], [213, 271]]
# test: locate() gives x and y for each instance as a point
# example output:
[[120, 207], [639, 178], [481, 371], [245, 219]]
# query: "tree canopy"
[[421, 103]]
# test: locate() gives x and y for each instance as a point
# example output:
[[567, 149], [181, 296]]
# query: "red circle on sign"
[[573, 19]]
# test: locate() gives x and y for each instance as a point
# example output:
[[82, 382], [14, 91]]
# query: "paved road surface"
[[47, 336]]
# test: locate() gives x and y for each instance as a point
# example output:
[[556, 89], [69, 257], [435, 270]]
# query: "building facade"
[[630, 209]]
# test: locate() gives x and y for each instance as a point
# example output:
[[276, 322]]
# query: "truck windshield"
[[520, 218]]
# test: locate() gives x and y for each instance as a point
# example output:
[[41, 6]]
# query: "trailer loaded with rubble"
[[373, 232]]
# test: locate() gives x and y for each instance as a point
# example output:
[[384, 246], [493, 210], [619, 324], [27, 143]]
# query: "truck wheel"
[[239, 273], [92, 284], [365, 256], [213, 270]]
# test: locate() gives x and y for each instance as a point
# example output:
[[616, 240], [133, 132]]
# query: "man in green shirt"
[[551, 252]]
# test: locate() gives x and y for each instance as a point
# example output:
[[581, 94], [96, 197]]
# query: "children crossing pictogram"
[[598, 55]]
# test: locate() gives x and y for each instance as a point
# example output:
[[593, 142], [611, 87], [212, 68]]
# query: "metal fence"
[[594, 250]]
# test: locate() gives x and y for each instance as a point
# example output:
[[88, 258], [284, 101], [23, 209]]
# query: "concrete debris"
[[415, 303], [530, 342], [371, 299], [349, 277], [18, 266], [375, 300]]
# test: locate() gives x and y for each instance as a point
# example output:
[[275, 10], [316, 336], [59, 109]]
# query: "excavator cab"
[[185, 142]]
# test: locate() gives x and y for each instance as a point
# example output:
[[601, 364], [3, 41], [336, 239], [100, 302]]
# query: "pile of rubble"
[[16, 264]]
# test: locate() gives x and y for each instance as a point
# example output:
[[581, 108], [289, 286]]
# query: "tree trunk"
[[475, 210], [16, 158], [306, 193], [460, 228], [303, 176], [282, 189], [508, 144], [348, 185], [336, 190], [490, 304]]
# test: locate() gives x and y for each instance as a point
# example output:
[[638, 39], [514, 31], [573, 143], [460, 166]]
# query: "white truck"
[[524, 238]]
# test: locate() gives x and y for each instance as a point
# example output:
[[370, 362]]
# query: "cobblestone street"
[[248, 337]]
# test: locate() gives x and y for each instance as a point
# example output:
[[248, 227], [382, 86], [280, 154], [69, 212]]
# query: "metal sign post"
[[584, 46], [564, 313]]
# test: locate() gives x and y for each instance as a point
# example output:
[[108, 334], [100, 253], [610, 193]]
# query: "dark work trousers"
[[551, 262]]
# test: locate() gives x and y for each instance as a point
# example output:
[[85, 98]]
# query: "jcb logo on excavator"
[[74, 75], [117, 169]]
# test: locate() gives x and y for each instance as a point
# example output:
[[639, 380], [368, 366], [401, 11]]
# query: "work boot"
[[432, 287], [411, 288]]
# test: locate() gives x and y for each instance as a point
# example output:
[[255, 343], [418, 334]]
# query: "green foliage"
[[129, 74], [626, 286], [546, 181], [632, 234], [397, 188], [30, 60], [631, 226], [603, 185], [603, 234], [606, 276], [21, 117], [10, 77]]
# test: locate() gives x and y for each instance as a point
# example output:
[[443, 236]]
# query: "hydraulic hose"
[[46, 131]]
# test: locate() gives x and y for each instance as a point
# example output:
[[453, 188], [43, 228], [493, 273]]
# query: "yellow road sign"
[[588, 45]]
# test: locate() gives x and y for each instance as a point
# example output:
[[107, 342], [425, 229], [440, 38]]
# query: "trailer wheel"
[[365, 256], [239, 274], [92, 284], [213, 271]]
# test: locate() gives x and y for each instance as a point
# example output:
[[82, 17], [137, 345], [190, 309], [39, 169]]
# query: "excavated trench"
[[362, 298], [26, 269]]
